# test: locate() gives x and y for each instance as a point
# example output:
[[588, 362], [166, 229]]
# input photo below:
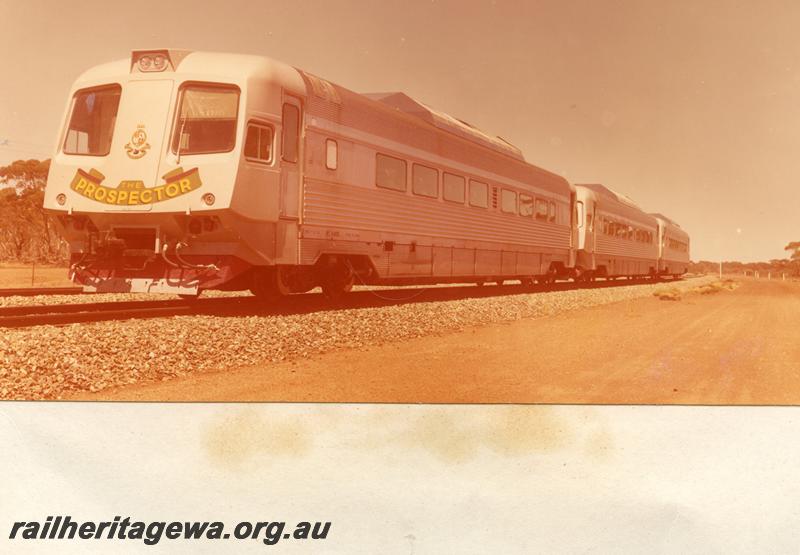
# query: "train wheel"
[[269, 284], [500, 282], [526, 282], [338, 283]]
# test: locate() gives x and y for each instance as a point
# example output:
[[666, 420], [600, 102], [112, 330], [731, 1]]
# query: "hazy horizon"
[[684, 107]]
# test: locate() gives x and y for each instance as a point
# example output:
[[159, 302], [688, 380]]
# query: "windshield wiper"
[[180, 140]]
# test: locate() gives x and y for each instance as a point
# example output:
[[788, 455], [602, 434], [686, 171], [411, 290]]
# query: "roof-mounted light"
[[154, 61]]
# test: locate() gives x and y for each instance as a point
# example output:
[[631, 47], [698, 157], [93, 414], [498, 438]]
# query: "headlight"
[[145, 63]]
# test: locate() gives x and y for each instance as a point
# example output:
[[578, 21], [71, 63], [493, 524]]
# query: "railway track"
[[64, 314], [34, 291]]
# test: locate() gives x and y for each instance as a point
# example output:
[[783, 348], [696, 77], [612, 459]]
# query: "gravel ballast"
[[47, 362]]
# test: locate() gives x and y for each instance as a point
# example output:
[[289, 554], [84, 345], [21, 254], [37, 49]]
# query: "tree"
[[26, 232], [25, 174], [794, 261]]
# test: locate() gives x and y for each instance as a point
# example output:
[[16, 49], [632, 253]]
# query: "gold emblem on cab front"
[[138, 145]]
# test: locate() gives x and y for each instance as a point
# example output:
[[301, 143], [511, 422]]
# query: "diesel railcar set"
[[179, 171]]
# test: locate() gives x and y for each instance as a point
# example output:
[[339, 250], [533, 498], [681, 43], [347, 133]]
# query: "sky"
[[692, 109]]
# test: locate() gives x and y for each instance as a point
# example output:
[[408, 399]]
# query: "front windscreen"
[[91, 124], [206, 119]]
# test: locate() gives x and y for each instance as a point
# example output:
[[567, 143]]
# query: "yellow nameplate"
[[176, 183]]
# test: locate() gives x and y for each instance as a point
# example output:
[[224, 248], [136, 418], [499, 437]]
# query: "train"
[[180, 171]]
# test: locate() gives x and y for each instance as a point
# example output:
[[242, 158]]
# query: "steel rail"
[[305, 303], [34, 291]]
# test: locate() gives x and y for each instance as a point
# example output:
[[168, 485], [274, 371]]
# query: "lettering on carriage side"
[[133, 192]]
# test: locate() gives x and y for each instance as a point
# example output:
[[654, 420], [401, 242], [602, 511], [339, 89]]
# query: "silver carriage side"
[[615, 237], [673, 247], [396, 193]]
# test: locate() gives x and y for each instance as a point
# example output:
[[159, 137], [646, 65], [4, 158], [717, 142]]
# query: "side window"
[[508, 202], [478, 194], [541, 209], [390, 172], [258, 143], [551, 213], [331, 154], [424, 181], [526, 205], [453, 188], [291, 133]]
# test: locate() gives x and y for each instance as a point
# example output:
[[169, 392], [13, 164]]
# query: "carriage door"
[[291, 156], [592, 224]]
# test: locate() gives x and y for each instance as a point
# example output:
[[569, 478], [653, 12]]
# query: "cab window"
[[91, 124], [206, 119]]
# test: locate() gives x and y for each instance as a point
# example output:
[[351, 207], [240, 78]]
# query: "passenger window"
[[390, 172], [453, 187], [331, 154], [508, 202], [424, 181], [541, 209], [258, 144], [478, 194], [551, 213], [526, 205], [291, 133]]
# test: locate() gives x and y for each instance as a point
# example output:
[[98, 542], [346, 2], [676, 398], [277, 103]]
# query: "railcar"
[[673, 247], [179, 171], [615, 237]]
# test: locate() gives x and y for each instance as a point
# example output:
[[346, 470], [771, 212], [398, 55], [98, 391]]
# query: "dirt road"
[[732, 347]]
